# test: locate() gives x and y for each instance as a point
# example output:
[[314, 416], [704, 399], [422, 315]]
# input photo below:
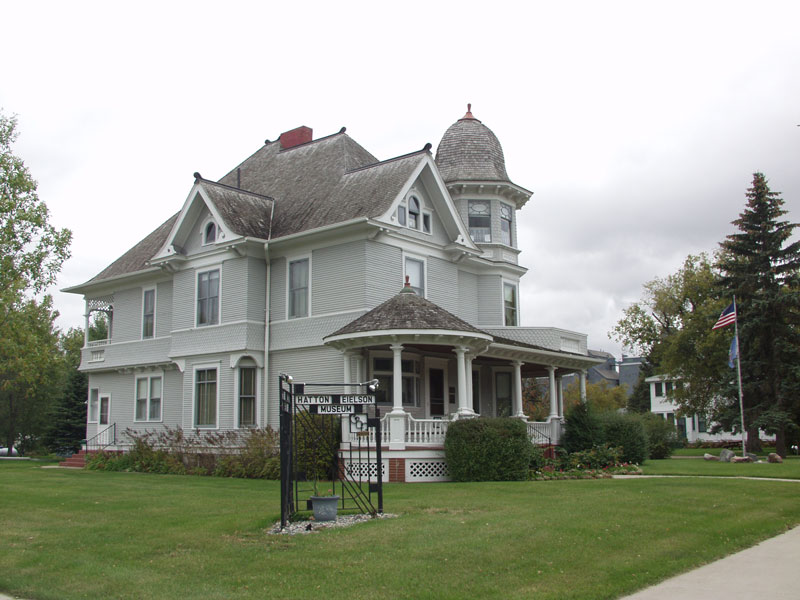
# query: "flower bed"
[[550, 472]]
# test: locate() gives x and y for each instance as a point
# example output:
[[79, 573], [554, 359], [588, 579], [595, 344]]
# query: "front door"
[[102, 420], [436, 395]]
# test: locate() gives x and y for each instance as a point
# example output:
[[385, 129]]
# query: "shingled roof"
[[470, 151], [407, 311], [137, 257], [281, 191]]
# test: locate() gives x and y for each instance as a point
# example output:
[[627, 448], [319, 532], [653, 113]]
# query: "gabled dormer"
[[213, 217]]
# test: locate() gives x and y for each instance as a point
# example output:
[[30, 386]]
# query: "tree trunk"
[[780, 442], [753, 440]]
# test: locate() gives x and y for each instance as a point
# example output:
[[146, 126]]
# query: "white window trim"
[[236, 385], [89, 407], [208, 221], [289, 261], [415, 196], [148, 377], [510, 224], [195, 369], [197, 273], [155, 308], [424, 261], [429, 214], [503, 285], [405, 203], [100, 397]]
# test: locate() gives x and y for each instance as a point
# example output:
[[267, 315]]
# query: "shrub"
[[598, 457], [488, 450], [627, 432], [662, 438], [257, 460], [583, 429]]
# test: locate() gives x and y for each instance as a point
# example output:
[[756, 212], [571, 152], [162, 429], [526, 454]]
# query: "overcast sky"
[[638, 125]]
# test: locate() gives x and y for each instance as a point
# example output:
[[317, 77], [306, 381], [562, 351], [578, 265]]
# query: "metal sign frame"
[[299, 408]]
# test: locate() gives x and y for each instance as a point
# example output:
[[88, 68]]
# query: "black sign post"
[[354, 459]]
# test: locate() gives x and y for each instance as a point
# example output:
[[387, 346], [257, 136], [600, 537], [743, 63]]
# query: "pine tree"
[[761, 268]]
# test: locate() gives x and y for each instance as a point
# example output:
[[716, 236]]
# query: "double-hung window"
[[148, 314], [298, 288], [415, 271], [205, 398], [148, 398], [208, 297], [247, 397], [510, 304], [480, 221], [506, 218]]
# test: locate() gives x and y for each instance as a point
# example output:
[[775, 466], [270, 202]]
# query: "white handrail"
[[424, 432]]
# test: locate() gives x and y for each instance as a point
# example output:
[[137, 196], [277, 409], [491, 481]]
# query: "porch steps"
[[77, 460]]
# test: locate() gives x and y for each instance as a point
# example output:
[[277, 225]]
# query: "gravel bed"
[[302, 527]]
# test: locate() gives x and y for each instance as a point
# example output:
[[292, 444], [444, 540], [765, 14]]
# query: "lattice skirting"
[[426, 469], [366, 470]]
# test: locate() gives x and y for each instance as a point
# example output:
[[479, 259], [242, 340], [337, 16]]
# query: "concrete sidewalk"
[[769, 570]]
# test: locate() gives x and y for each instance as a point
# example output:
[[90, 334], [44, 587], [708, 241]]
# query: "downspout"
[[266, 335]]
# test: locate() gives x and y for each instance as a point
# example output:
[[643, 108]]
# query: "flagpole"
[[739, 371]]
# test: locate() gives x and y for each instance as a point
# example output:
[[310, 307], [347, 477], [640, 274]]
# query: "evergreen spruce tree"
[[760, 266]]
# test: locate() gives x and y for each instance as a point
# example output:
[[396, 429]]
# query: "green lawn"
[[82, 534], [789, 469]]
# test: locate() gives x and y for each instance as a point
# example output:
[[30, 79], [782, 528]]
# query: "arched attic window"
[[210, 233], [413, 212]]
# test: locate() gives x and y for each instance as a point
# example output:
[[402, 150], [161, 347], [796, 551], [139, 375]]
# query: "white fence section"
[[425, 432]]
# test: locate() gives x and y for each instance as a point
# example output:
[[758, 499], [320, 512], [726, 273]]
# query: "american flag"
[[727, 317]]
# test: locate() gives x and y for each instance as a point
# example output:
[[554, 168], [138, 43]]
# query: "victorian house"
[[314, 258]]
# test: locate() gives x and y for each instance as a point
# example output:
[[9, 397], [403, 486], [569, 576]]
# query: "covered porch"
[[433, 368]]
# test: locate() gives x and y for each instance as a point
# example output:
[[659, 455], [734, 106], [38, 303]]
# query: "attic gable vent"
[[295, 137]]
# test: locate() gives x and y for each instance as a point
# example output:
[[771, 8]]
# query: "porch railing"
[[540, 432], [103, 439], [425, 432]]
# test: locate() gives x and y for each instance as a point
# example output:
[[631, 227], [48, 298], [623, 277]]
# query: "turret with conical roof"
[[471, 162]]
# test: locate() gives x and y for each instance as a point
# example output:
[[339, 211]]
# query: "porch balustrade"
[[432, 432]]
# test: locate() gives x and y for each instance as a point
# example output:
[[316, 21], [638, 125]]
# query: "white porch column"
[[463, 408], [560, 386], [86, 327], [518, 389], [468, 357], [397, 418], [348, 378], [553, 394], [583, 386]]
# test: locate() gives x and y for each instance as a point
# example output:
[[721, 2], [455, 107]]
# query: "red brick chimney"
[[295, 137]]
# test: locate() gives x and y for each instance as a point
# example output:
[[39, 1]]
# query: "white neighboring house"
[[695, 428], [293, 263]]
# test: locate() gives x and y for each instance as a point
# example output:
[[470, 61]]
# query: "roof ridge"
[[325, 137], [199, 177], [425, 149]]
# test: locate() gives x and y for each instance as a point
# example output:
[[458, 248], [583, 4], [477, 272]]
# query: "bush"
[[259, 459], [583, 429], [627, 432], [488, 450], [317, 440], [598, 457], [662, 438]]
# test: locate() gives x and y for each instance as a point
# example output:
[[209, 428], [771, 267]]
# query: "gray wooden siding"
[[467, 295], [225, 387], [145, 352], [301, 333], [277, 293], [234, 290], [183, 289], [122, 388], [127, 315], [383, 273], [164, 308], [337, 278], [318, 364], [443, 284], [220, 338], [194, 243], [490, 301], [256, 289]]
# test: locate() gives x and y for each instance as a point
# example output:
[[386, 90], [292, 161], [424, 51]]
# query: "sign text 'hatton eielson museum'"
[[335, 404]]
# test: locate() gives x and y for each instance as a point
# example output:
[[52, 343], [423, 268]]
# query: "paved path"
[[768, 570]]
